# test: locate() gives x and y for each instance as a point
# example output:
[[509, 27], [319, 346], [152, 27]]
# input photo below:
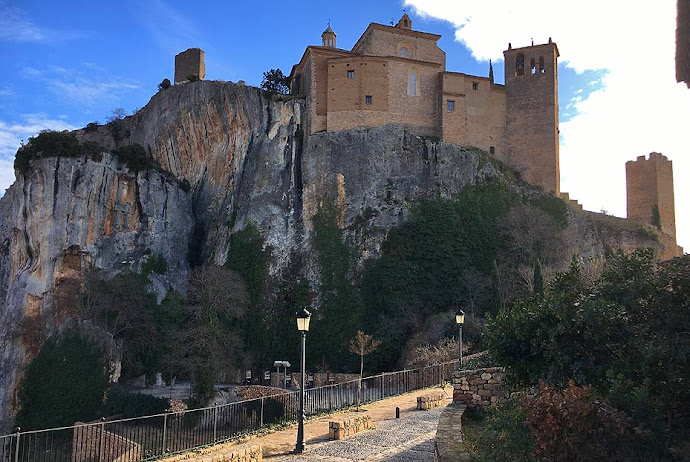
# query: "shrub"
[[156, 263], [193, 78], [574, 424], [134, 156], [65, 383], [121, 402], [164, 85], [91, 127]]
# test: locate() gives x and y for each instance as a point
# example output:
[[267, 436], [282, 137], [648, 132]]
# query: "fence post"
[[262, 411], [101, 440], [215, 422], [165, 430], [383, 389], [16, 451]]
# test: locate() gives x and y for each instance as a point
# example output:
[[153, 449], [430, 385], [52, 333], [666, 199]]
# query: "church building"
[[397, 75]]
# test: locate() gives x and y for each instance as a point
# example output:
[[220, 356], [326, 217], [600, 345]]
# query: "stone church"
[[397, 75]]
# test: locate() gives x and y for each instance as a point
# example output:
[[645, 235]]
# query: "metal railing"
[[143, 438]]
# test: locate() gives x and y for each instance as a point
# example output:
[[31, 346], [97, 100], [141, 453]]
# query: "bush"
[[91, 127], [574, 424], [134, 156], [498, 434], [121, 402], [155, 263], [164, 85], [193, 78], [64, 384]]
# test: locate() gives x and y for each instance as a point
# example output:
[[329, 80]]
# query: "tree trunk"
[[361, 372]]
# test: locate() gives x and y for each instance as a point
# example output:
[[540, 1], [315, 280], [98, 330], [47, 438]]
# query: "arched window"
[[520, 65], [542, 69], [412, 84], [532, 66], [404, 52]]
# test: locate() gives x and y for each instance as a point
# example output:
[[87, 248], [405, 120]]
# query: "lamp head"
[[460, 317], [303, 320]]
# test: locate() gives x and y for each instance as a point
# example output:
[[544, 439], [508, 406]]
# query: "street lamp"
[[460, 319], [302, 326]]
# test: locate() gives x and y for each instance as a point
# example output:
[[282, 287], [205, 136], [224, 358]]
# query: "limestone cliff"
[[245, 157]]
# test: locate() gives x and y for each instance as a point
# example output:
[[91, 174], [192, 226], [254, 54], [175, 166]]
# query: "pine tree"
[[538, 279]]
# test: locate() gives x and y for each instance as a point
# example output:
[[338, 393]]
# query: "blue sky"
[[68, 63]]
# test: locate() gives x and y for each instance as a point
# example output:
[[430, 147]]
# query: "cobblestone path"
[[410, 438]]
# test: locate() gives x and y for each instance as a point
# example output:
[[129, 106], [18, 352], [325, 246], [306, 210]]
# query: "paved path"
[[409, 438]]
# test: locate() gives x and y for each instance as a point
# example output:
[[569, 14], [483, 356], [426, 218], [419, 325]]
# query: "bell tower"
[[328, 37], [531, 84]]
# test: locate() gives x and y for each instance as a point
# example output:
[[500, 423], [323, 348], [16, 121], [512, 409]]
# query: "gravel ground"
[[410, 438]]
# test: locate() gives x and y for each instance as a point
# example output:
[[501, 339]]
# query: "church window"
[[492, 150], [350, 74], [532, 66], [520, 65], [368, 99], [542, 69], [412, 84], [404, 52], [450, 105], [475, 85]]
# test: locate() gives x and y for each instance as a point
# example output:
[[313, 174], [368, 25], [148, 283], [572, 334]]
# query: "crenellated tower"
[[531, 85], [649, 188]]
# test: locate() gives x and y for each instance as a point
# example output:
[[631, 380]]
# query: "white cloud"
[[636, 107], [16, 26]]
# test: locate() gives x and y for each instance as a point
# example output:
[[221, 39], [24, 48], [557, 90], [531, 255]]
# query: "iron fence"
[[144, 438]]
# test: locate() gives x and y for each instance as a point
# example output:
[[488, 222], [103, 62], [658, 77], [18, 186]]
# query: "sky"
[[69, 63]]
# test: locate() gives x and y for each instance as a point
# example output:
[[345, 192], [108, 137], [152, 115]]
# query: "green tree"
[[275, 82], [496, 290], [64, 384]]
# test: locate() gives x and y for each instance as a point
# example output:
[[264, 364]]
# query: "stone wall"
[[380, 40], [532, 115], [189, 62], [478, 115], [649, 182], [479, 388]]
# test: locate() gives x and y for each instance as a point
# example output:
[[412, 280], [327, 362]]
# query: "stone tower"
[[649, 183], [531, 85], [189, 62], [328, 37]]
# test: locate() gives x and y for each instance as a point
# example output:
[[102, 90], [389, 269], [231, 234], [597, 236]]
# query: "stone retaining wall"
[[479, 388]]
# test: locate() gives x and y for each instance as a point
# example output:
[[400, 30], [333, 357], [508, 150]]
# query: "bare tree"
[[362, 344], [476, 285]]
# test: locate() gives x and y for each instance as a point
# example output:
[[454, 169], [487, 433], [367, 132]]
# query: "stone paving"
[[410, 438]]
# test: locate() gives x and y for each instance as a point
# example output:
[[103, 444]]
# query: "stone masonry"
[[480, 388], [649, 184], [189, 62]]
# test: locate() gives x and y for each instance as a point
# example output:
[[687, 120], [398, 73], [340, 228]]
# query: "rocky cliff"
[[245, 158]]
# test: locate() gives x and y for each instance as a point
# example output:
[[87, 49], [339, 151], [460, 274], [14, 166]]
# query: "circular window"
[[404, 52]]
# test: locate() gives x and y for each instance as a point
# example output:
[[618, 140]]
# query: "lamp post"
[[460, 319], [303, 327]]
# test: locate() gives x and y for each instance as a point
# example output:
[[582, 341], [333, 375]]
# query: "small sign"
[[248, 375], [267, 375]]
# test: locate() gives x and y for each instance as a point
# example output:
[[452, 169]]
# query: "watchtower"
[[189, 62], [531, 85], [649, 184]]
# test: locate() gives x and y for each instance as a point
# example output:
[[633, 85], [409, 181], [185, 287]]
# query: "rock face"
[[65, 215], [245, 157]]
